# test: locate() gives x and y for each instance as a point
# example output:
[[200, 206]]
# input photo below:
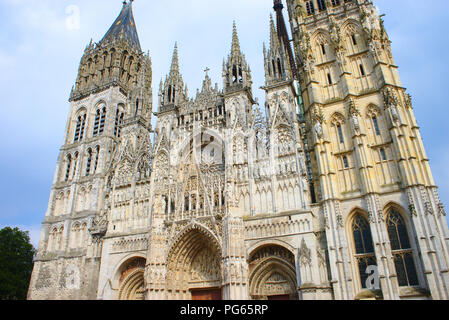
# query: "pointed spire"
[[284, 37], [236, 73], [124, 26], [161, 87], [274, 39], [175, 61], [235, 42]]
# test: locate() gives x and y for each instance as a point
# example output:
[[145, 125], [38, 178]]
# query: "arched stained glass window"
[[401, 249], [376, 126], [383, 155], [346, 162], [340, 133], [364, 248]]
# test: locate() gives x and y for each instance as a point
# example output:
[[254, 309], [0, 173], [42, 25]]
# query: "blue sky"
[[40, 54]]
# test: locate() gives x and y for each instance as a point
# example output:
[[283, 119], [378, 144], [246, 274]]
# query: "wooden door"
[[213, 294]]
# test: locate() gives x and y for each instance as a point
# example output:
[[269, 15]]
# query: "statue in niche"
[[355, 122], [318, 129], [394, 112]]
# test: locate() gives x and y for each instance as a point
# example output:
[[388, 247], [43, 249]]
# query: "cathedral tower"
[[329, 195], [375, 192], [111, 100]]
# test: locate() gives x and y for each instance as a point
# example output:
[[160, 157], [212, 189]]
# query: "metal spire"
[[283, 35]]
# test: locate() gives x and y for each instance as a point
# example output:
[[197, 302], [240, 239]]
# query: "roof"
[[124, 23]]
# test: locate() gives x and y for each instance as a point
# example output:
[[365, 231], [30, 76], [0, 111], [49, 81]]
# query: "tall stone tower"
[[373, 184], [110, 101], [327, 196]]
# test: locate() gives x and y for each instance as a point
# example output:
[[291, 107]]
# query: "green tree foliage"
[[16, 263]]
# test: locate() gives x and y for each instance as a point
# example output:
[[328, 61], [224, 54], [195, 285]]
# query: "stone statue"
[[355, 121], [318, 129]]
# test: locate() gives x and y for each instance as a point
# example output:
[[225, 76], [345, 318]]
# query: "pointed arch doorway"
[[132, 281], [272, 274], [194, 269]]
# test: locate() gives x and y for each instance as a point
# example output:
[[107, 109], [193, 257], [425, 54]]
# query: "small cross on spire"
[[207, 71]]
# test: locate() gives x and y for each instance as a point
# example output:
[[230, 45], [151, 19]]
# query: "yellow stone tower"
[[371, 175]]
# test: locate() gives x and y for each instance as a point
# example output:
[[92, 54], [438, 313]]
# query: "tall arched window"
[[401, 249], [383, 155], [100, 118], [310, 7], [118, 122], [374, 121], [75, 162], [321, 5], [337, 122], [69, 165], [346, 162], [364, 248], [235, 75], [96, 122], [376, 125], [340, 133], [281, 72], [89, 161], [79, 130], [97, 155], [353, 40]]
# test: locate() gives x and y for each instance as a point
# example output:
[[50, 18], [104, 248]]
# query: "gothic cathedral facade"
[[324, 193]]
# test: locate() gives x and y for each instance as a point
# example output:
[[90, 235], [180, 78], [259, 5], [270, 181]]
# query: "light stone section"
[[238, 200]]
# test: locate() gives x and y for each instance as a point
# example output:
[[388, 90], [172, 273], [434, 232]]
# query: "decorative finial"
[[207, 71]]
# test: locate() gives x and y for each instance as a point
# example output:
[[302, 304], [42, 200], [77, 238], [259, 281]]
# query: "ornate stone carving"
[[441, 210], [304, 253]]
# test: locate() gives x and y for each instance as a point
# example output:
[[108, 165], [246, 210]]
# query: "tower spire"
[[174, 69], [277, 68], [236, 72], [283, 35], [274, 39], [235, 41], [124, 26], [173, 91]]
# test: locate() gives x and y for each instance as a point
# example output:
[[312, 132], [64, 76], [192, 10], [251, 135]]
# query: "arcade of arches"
[[194, 271]]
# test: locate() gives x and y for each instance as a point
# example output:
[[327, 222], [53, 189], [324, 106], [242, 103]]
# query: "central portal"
[[193, 266]]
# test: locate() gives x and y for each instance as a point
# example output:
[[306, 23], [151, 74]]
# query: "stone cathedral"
[[324, 192]]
